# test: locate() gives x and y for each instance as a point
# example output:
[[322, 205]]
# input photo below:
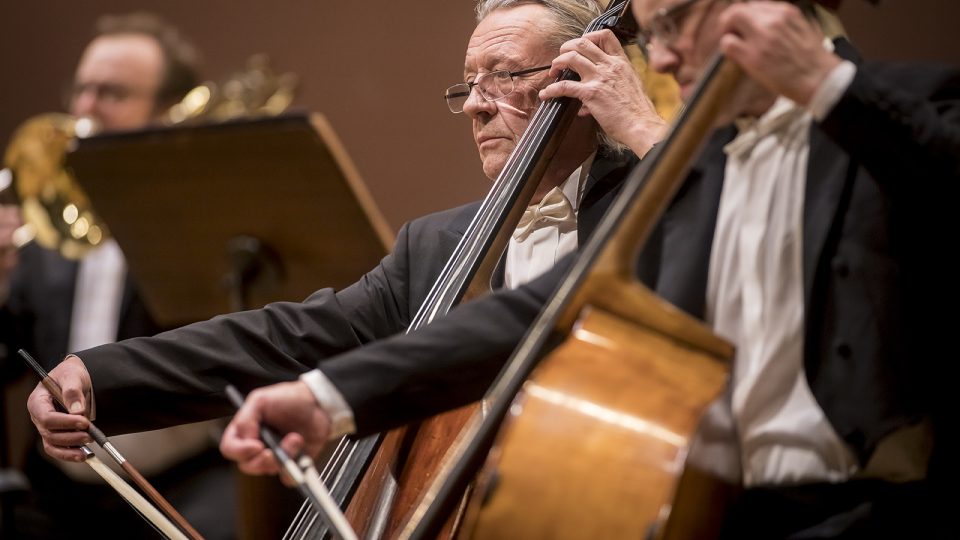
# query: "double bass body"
[[600, 431], [595, 443]]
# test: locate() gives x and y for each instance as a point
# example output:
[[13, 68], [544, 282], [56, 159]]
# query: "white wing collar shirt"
[[547, 231]]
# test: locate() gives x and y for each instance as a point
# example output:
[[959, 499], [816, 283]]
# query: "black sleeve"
[[449, 363], [901, 122], [16, 327], [179, 376]]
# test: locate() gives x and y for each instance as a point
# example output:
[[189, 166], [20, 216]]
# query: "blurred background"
[[376, 70]]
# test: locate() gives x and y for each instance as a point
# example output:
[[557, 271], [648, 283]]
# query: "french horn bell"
[[57, 214]]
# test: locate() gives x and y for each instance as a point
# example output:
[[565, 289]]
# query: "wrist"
[[831, 90], [645, 135], [815, 79], [330, 401]]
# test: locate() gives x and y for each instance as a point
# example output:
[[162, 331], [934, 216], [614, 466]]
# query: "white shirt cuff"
[[332, 402], [831, 90]]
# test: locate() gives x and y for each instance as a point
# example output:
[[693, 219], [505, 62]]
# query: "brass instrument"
[[256, 91], [57, 214]]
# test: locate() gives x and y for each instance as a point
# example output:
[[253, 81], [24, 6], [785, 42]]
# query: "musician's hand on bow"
[[609, 90], [62, 432], [778, 47], [290, 409]]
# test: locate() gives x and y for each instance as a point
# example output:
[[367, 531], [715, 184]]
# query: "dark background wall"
[[375, 69]]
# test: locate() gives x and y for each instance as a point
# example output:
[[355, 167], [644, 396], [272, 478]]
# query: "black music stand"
[[230, 216], [214, 218]]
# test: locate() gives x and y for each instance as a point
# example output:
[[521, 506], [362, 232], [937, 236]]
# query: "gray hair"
[[569, 19]]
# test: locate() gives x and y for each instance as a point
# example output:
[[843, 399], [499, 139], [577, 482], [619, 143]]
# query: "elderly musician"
[[808, 233], [179, 376]]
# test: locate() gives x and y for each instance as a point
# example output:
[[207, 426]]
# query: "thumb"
[[247, 418], [75, 386], [73, 399], [292, 443]]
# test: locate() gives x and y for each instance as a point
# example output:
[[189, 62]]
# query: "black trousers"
[[858, 509]]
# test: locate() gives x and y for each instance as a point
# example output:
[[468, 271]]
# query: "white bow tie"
[[554, 209], [751, 131]]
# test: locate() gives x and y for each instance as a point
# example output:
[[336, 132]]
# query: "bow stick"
[[165, 507], [304, 474]]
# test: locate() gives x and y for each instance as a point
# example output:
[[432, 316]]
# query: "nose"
[[663, 59], [84, 103], [476, 105]]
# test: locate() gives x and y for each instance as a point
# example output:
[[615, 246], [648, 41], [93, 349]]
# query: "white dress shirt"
[[530, 257], [97, 297], [755, 297]]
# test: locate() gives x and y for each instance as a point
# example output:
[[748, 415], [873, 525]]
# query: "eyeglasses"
[[493, 86], [105, 92], [664, 25]]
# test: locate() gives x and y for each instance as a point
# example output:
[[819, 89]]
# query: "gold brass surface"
[[57, 213]]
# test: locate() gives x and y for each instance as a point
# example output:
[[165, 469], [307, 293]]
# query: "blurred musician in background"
[[133, 70]]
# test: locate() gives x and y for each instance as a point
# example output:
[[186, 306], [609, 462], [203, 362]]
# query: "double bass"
[[588, 426], [381, 477]]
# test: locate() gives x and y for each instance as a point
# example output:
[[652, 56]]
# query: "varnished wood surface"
[[434, 438], [595, 444], [381, 472], [410, 456]]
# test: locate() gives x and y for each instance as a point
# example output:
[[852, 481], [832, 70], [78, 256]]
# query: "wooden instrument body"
[[596, 436], [404, 466], [595, 444]]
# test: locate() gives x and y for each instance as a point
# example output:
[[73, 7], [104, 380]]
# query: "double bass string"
[[441, 299], [458, 273]]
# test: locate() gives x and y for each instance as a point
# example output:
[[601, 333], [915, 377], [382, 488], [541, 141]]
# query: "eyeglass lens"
[[492, 86], [664, 26]]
